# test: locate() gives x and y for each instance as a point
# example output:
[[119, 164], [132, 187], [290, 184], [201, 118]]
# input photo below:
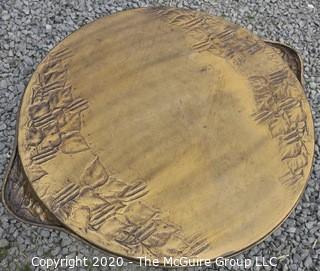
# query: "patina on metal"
[[163, 133]]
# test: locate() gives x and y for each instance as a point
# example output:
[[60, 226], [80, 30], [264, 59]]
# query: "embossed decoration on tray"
[[54, 125], [277, 107], [54, 115], [156, 134]]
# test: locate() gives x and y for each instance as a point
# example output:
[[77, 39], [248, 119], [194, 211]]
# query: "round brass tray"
[[163, 133]]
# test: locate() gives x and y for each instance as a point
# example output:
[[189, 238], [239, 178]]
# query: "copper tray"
[[162, 133]]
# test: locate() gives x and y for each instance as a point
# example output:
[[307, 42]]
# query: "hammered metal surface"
[[166, 132]]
